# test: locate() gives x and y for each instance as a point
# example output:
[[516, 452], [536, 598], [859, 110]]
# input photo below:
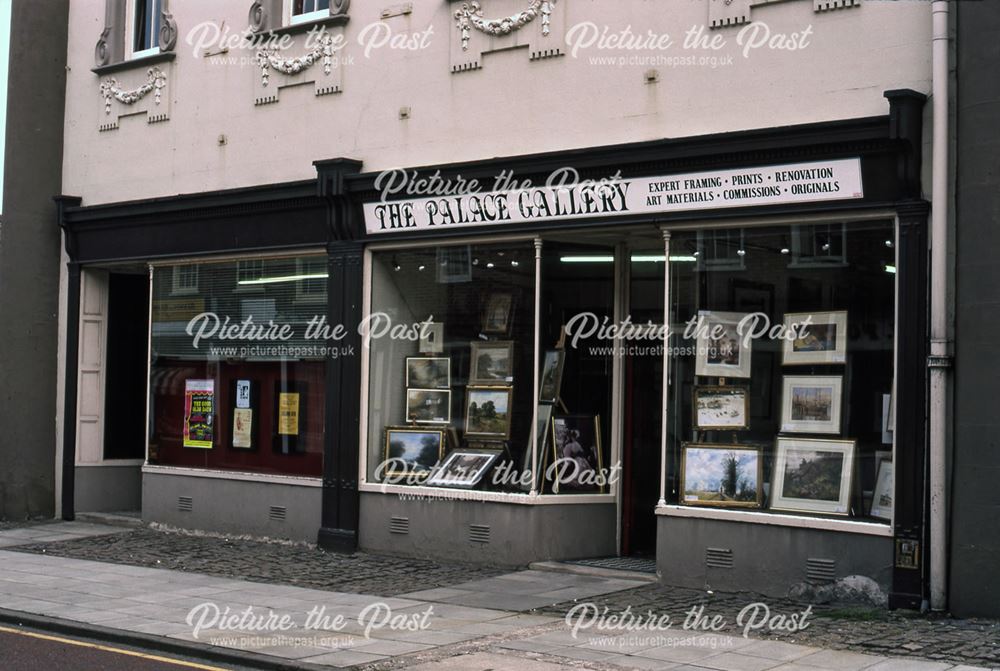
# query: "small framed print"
[[815, 338], [721, 408], [882, 497], [811, 403], [432, 406], [722, 351], [813, 475], [454, 264], [428, 372], [463, 468], [552, 371], [721, 475], [576, 451], [542, 424], [492, 362], [432, 338], [411, 451], [498, 313], [487, 412]]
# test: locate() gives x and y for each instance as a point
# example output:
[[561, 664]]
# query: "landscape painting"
[[720, 475]]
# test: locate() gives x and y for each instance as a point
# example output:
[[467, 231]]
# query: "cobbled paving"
[[268, 562], [865, 630]]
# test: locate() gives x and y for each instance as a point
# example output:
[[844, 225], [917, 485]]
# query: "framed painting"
[[722, 351], [811, 403], [576, 452], [491, 362], [819, 338], [487, 412], [463, 468], [428, 405], [721, 475], [411, 451], [721, 408], [552, 371], [428, 372], [498, 313], [813, 475]]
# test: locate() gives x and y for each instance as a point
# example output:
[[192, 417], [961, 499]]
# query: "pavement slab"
[[478, 618]]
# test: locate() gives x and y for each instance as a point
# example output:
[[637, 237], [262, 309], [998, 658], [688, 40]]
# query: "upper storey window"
[[145, 26], [309, 10]]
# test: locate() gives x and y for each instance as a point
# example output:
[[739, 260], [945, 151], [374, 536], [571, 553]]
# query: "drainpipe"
[[940, 356]]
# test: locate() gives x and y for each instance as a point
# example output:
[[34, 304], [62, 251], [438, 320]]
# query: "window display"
[[469, 369], [235, 383], [782, 374]]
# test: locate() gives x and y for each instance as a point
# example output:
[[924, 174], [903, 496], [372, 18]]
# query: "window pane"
[[798, 419], [228, 388], [465, 383]]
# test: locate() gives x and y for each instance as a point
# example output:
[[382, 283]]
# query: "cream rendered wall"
[[511, 106]]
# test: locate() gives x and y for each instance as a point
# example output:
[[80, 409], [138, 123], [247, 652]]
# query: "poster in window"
[[199, 413], [242, 431], [245, 416], [288, 413], [289, 419]]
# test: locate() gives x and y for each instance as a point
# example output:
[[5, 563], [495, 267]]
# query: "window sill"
[[306, 26], [777, 519], [134, 63], [243, 476], [476, 496]]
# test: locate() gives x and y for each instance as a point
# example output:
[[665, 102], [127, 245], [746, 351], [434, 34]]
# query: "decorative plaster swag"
[[155, 81], [267, 59], [471, 16]]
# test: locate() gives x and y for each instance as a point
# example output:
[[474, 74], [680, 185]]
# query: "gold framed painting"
[[721, 408], [718, 475]]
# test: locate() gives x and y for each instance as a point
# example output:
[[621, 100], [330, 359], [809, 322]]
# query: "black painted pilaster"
[[72, 360], [340, 506], [910, 467]]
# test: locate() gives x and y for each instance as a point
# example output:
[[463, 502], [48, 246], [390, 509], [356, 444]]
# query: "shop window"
[[451, 360], [236, 381], [797, 420]]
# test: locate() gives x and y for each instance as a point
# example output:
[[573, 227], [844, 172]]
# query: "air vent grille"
[[278, 513], [185, 504], [479, 533], [719, 557], [399, 525], [821, 570]]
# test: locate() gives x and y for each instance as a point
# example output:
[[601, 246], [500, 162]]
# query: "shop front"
[[709, 352], [699, 352]]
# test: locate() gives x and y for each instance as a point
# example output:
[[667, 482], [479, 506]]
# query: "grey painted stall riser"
[[519, 534], [103, 489], [232, 506], [767, 559]]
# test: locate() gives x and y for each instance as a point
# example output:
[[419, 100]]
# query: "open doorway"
[[642, 391], [111, 409], [125, 390]]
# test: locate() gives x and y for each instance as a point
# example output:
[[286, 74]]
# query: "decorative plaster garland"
[[268, 59], [155, 81], [471, 16]]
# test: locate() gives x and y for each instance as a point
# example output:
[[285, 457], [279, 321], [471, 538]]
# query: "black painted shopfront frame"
[[326, 213]]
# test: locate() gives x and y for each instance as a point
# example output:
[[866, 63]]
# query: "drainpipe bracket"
[[945, 361]]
